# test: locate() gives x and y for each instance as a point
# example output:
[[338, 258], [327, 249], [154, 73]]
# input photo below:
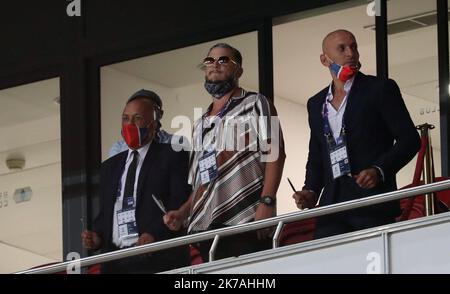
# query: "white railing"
[[217, 234]]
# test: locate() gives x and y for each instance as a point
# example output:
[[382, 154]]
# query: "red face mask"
[[134, 136], [343, 73]]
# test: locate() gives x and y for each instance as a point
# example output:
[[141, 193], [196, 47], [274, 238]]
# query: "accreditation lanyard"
[[207, 162], [337, 149], [126, 217]]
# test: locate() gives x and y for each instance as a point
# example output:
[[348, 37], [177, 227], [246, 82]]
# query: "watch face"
[[267, 200]]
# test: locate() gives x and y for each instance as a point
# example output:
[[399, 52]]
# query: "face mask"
[[134, 136], [219, 88], [343, 73]]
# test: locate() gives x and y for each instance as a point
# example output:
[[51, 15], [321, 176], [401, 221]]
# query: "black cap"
[[146, 94]]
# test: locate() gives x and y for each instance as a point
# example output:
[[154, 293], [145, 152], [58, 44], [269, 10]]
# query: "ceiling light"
[[15, 164]]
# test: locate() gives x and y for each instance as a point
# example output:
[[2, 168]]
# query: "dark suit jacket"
[[163, 173], [379, 132]]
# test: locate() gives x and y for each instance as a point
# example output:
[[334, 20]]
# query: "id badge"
[[125, 216], [340, 165], [127, 223], [128, 231], [208, 167]]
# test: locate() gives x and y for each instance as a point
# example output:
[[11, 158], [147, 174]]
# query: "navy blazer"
[[163, 173], [379, 132]]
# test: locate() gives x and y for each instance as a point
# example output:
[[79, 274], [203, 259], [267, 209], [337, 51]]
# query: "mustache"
[[229, 78]]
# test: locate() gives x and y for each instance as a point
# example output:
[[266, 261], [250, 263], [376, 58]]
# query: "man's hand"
[[145, 238], [174, 220], [262, 212], [91, 240], [305, 199], [367, 178]]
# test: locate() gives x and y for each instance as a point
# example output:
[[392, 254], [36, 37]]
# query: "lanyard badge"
[[207, 162], [126, 220], [337, 149], [208, 167]]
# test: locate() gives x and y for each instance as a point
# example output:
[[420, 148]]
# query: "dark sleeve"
[[179, 191], [394, 113], [179, 187], [314, 166], [98, 223]]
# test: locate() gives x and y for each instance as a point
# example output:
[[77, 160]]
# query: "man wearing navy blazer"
[[136, 187], [361, 136]]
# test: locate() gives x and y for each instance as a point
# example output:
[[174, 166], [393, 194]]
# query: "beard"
[[218, 89]]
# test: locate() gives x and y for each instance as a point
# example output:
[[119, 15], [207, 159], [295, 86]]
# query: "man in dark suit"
[[137, 186], [361, 136]]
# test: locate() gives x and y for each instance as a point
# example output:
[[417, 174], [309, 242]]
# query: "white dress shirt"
[[118, 205], [335, 117]]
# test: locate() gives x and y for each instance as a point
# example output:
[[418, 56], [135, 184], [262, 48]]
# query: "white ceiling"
[[29, 102]]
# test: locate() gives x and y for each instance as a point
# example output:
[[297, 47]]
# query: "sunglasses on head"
[[222, 60]]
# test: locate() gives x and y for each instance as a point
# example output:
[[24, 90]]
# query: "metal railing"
[[275, 221]]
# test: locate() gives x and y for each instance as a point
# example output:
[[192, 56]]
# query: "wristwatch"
[[267, 200]]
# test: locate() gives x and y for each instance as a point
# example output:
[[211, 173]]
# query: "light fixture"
[[15, 163]]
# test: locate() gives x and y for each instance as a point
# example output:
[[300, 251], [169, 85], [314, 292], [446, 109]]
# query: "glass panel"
[[298, 75], [30, 176], [413, 64]]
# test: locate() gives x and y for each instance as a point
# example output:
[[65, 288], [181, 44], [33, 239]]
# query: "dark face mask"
[[219, 88]]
